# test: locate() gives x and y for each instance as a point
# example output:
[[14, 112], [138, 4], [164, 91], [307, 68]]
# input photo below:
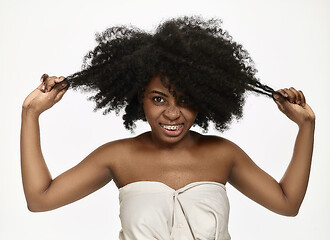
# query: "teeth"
[[172, 127]]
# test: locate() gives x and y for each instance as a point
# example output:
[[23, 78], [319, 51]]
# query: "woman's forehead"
[[156, 82]]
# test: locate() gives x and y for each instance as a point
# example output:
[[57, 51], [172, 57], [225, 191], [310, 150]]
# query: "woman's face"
[[170, 117]]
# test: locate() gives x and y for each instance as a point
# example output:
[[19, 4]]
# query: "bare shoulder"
[[114, 151], [218, 144], [231, 150], [228, 150], [116, 147], [126, 143]]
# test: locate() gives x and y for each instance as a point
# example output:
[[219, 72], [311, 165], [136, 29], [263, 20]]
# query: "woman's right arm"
[[41, 191]]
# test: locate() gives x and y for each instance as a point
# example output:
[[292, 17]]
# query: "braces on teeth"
[[172, 127]]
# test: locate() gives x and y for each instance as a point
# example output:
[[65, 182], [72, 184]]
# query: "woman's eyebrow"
[[160, 93]]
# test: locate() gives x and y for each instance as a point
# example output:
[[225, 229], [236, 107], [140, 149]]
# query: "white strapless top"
[[152, 210]]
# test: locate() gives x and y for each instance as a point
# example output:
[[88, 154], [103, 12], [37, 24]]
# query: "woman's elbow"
[[290, 212], [32, 209], [293, 213], [36, 208]]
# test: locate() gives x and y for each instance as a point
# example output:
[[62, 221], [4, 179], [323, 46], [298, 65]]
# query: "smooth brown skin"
[[153, 156]]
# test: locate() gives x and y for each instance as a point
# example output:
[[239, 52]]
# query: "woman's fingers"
[[296, 108], [49, 92], [302, 97], [62, 80], [43, 77], [49, 82], [293, 95], [282, 92], [60, 94], [59, 79], [296, 95], [55, 88], [289, 94]]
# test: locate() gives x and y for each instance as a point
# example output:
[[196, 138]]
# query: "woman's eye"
[[158, 99]]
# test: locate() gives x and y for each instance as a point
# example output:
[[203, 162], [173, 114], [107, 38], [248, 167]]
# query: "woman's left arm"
[[286, 196]]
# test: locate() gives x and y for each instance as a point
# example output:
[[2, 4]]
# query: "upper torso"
[[209, 158]]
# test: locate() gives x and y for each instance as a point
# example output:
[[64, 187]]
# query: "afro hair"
[[198, 57]]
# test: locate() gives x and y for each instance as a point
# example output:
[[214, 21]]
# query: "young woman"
[[171, 180]]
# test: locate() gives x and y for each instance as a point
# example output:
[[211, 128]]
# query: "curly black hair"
[[198, 56]]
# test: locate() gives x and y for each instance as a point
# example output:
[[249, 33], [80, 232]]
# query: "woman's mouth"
[[172, 130]]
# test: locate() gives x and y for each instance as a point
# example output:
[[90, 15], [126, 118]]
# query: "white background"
[[289, 42]]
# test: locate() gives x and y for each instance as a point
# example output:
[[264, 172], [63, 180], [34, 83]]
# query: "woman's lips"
[[172, 130]]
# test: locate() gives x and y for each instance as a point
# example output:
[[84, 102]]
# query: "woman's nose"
[[172, 112]]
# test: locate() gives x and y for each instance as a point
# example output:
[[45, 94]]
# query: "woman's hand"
[[295, 107], [45, 95]]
